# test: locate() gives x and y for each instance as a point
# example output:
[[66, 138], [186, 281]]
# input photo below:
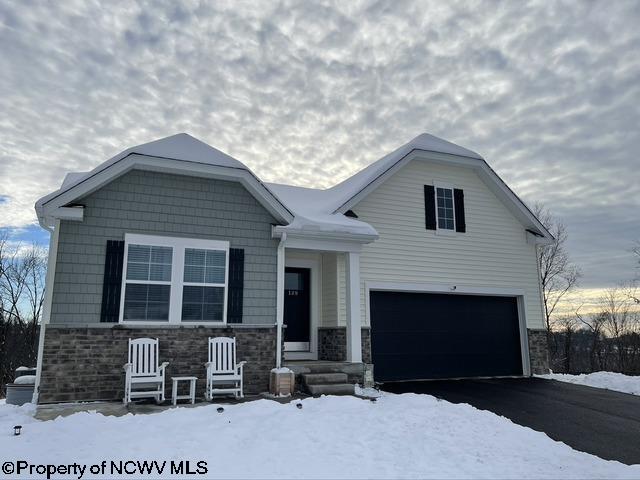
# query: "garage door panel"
[[423, 336]]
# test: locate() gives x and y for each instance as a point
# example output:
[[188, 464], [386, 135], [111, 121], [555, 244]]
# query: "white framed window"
[[445, 208], [174, 280]]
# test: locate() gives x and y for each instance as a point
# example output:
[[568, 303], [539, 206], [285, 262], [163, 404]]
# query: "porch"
[[322, 308]]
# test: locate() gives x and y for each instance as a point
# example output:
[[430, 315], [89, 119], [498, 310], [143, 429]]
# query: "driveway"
[[592, 420]]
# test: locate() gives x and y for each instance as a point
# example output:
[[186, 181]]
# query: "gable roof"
[[305, 211], [179, 153], [347, 189]]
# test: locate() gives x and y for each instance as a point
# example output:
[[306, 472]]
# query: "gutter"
[[48, 298]]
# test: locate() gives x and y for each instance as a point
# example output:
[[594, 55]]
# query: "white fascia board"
[[46, 206], [327, 243], [278, 230], [486, 174]]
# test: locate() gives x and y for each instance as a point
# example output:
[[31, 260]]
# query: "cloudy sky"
[[548, 92]]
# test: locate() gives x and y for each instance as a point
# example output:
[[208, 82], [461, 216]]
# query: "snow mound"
[[607, 380], [398, 436], [25, 380]]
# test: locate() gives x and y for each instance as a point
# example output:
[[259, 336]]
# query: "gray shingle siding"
[[163, 204]]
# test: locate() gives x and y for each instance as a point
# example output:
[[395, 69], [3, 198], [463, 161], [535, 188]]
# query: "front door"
[[297, 309]]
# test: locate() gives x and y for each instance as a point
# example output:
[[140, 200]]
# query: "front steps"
[[326, 378], [327, 384]]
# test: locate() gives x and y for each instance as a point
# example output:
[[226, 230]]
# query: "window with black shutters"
[[174, 280]]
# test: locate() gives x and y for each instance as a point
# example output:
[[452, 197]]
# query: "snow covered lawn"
[[608, 380], [398, 436]]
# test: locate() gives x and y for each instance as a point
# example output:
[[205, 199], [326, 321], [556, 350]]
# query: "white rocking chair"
[[224, 376], [143, 370]]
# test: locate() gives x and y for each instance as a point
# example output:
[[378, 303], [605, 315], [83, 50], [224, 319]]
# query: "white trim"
[[48, 300], [485, 172], [519, 294], [178, 246], [324, 241], [280, 298], [313, 264], [354, 320], [445, 186], [75, 214], [46, 206]]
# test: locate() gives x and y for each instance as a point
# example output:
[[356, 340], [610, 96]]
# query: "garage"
[[419, 336]]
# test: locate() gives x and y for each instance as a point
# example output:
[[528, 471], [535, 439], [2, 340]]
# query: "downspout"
[[280, 299], [54, 235]]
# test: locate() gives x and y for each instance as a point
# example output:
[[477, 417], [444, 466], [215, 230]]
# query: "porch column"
[[354, 341]]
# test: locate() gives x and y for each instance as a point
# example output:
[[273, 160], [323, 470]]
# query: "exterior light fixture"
[[16, 430], [220, 409], [299, 405]]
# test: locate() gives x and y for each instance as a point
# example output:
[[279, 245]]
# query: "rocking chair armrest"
[[163, 366], [208, 364], [240, 365], [127, 367]]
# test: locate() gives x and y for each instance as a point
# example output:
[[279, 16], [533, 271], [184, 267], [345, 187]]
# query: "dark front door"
[[419, 336], [297, 309]]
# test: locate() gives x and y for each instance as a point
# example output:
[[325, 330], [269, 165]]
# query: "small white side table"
[[192, 389]]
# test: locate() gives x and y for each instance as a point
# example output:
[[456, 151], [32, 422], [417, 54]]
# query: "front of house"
[[421, 266]]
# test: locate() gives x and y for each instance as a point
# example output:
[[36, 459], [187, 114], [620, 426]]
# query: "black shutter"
[[458, 198], [112, 281], [236, 285], [429, 207]]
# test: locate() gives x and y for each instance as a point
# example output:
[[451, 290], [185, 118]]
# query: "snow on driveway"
[[608, 380], [399, 436]]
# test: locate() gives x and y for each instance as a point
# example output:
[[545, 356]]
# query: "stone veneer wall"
[[85, 363], [538, 351], [332, 344]]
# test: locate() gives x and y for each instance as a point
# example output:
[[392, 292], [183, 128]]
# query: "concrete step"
[[331, 389], [324, 378]]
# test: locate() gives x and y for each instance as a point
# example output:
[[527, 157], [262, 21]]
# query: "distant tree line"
[[607, 338]]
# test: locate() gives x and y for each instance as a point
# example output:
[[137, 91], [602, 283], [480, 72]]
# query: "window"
[[204, 283], [148, 283], [173, 280], [445, 208]]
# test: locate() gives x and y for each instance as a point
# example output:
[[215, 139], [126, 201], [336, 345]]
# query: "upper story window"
[[174, 280], [445, 208]]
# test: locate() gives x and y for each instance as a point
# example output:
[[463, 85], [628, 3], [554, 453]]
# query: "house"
[[421, 266]]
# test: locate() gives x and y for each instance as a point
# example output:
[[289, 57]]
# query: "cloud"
[[309, 93]]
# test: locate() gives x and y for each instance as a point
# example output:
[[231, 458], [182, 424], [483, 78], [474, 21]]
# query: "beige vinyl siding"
[[329, 290], [492, 253]]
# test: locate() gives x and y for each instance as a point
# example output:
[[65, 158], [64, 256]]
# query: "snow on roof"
[[312, 213], [181, 146], [350, 187], [314, 209]]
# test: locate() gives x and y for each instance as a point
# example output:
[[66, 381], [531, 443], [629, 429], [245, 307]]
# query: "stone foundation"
[[538, 351], [332, 344], [85, 364]]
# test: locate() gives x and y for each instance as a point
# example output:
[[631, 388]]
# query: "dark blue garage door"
[[419, 336]]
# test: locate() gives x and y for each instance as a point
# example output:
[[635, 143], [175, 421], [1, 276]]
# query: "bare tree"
[[594, 324], [622, 324], [22, 273], [558, 274], [567, 325]]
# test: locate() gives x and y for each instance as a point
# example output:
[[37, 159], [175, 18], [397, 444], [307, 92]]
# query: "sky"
[[309, 93]]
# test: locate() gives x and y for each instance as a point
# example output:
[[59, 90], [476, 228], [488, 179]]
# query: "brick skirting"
[[538, 351], [85, 364], [332, 344]]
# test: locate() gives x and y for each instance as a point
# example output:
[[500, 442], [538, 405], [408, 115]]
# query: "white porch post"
[[354, 341]]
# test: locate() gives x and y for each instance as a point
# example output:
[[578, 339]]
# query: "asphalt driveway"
[[592, 420]]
